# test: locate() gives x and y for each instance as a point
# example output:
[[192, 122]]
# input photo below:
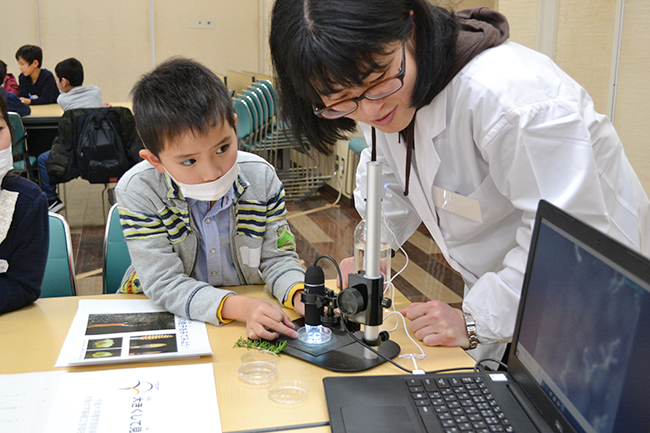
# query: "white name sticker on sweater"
[[4, 266], [251, 256], [457, 204]]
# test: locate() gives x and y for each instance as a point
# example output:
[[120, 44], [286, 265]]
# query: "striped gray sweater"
[[163, 242]]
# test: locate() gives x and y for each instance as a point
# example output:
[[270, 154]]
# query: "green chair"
[[23, 163], [355, 147], [116, 253], [59, 279], [244, 123]]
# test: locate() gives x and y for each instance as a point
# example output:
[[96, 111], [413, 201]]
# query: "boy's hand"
[[26, 101], [262, 317], [297, 303]]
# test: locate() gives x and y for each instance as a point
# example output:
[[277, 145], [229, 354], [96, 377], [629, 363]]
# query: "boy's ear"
[[152, 159], [36, 63]]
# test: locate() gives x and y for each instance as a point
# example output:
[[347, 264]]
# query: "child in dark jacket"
[[24, 230], [36, 85], [10, 84], [13, 103]]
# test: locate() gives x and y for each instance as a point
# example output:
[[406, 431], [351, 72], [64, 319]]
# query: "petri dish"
[[314, 334], [288, 391], [259, 356], [257, 373]]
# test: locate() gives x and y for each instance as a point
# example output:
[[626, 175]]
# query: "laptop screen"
[[582, 335]]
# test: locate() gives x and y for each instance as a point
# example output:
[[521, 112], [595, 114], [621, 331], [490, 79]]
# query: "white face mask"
[[6, 162], [209, 191]]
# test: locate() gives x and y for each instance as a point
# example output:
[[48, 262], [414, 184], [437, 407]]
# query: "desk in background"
[[31, 339], [43, 124]]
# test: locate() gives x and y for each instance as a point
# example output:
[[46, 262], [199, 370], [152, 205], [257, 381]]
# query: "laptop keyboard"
[[460, 404]]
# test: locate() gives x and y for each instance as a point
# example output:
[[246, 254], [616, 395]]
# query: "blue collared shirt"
[[215, 264]]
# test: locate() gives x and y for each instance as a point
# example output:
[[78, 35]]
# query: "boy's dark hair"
[[178, 96], [30, 53], [319, 46], [3, 71], [72, 70]]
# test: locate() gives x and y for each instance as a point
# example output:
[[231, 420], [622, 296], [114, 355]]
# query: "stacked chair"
[[24, 164], [261, 132]]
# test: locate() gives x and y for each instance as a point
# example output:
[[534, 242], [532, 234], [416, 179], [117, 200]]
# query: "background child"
[[13, 103], [24, 232], [10, 85], [197, 214], [36, 85], [69, 80]]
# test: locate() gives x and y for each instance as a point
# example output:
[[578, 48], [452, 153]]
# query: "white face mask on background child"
[[209, 191], [6, 162]]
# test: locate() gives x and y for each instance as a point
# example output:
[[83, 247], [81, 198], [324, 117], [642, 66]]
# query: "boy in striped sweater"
[[199, 217]]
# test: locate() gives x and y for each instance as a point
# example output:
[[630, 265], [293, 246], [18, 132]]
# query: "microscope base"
[[341, 353]]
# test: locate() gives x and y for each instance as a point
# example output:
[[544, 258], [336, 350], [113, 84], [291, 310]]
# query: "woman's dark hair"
[[318, 46], [179, 96]]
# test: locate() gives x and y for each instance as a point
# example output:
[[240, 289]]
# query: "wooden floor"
[[320, 227]]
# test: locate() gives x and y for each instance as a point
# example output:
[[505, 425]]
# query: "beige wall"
[[633, 98], [584, 45], [522, 17], [113, 41]]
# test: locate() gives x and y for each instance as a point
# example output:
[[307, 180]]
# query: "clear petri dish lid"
[[288, 391], [257, 373], [259, 356]]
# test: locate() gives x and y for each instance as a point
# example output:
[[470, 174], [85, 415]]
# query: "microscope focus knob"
[[386, 303], [351, 301]]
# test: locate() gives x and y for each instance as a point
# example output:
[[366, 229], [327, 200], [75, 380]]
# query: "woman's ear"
[[152, 159]]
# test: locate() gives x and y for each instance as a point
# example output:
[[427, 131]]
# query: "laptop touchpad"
[[376, 419]]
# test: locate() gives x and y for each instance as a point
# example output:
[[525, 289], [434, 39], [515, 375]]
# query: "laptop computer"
[[577, 362]]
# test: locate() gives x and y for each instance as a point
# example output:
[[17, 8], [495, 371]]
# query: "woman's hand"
[[262, 316], [437, 324], [347, 268]]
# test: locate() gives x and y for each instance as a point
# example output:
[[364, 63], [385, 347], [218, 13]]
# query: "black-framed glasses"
[[381, 90]]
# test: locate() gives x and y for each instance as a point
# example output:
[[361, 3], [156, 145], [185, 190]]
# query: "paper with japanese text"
[[150, 399], [119, 330]]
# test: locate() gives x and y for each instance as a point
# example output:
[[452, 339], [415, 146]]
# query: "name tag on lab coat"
[[457, 204]]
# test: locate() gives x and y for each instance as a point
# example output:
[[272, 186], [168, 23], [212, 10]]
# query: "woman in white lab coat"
[[472, 131]]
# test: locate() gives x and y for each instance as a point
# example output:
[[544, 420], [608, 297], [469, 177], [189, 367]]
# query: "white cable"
[[416, 367], [340, 189], [394, 238], [389, 284], [406, 256], [421, 354]]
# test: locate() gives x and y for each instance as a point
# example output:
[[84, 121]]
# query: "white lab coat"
[[510, 129]]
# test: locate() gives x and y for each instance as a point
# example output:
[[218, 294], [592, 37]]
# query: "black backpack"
[[101, 157]]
